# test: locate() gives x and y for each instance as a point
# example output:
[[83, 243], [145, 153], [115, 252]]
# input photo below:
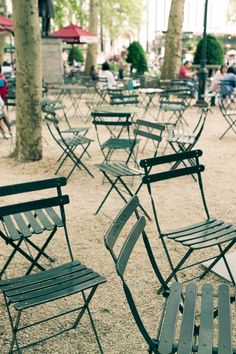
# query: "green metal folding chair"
[[73, 147], [27, 297], [172, 105], [208, 233], [183, 141], [58, 108], [228, 111], [124, 99], [118, 127], [181, 327], [117, 173], [19, 222]]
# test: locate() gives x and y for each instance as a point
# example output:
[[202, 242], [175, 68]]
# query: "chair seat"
[[75, 130], [39, 288], [207, 233], [31, 222], [118, 143], [76, 140], [119, 169], [182, 138], [174, 108], [188, 321]]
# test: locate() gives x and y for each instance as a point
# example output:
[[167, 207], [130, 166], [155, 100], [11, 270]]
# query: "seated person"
[[106, 73], [93, 73], [219, 75], [186, 74], [228, 83]]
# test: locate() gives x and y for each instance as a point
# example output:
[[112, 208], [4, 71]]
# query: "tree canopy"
[[137, 58], [214, 51]]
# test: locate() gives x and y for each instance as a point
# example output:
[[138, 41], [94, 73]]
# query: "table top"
[[150, 90], [117, 109], [69, 87]]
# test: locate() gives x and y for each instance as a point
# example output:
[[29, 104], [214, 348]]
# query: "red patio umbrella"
[[74, 34], [6, 24]]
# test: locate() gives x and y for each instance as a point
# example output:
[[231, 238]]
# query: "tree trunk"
[[3, 12], [28, 80], [173, 47], [91, 57]]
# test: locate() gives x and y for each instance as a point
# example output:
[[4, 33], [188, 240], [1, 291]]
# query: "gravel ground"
[[114, 323]]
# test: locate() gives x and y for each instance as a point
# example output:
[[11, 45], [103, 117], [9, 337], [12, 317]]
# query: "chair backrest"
[[57, 107], [102, 84], [195, 169], [111, 121], [22, 213], [52, 122], [197, 131], [124, 99], [120, 240], [151, 132], [200, 125]]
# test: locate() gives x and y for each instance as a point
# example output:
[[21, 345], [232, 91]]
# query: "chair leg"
[[21, 251], [41, 251], [113, 185], [177, 267], [14, 328], [231, 126], [84, 308], [217, 259]]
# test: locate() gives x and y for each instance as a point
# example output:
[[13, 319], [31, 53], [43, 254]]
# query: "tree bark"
[[91, 57], [3, 12], [173, 47], [28, 80]]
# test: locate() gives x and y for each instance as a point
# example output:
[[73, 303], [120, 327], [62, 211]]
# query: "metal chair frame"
[[22, 221], [182, 141], [206, 233], [18, 227], [179, 329], [68, 144], [116, 172], [229, 114], [118, 125]]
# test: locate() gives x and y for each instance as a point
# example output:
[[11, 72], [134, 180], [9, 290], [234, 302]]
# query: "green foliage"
[[137, 58], [75, 54], [67, 10], [214, 51], [119, 15]]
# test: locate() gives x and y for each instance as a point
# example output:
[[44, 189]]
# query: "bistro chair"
[[228, 111], [73, 146], [181, 327], [119, 173], [183, 141], [43, 220], [24, 226], [208, 233], [118, 127]]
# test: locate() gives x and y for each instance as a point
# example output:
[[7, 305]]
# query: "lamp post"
[[202, 71], [147, 20]]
